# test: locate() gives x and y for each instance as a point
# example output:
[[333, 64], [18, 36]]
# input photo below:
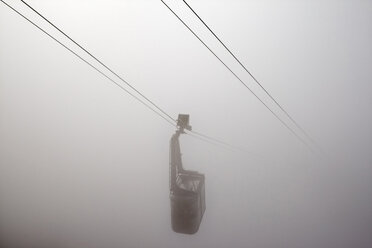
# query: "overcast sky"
[[83, 164]]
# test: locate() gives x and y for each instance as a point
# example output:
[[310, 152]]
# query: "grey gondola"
[[187, 190]]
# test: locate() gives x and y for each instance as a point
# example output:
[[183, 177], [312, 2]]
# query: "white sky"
[[82, 164]]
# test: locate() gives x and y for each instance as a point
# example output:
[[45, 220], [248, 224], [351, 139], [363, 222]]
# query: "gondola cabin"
[[187, 190]]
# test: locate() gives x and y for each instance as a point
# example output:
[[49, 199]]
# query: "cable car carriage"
[[187, 191]]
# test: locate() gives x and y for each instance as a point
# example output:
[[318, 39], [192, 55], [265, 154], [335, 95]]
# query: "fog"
[[85, 165]]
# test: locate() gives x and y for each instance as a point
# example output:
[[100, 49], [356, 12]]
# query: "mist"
[[84, 164]]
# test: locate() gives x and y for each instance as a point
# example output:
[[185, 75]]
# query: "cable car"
[[187, 190]]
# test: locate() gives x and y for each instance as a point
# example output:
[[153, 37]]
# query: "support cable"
[[91, 65], [227, 147], [194, 134], [217, 141], [236, 76], [95, 58], [253, 77], [100, 62]]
